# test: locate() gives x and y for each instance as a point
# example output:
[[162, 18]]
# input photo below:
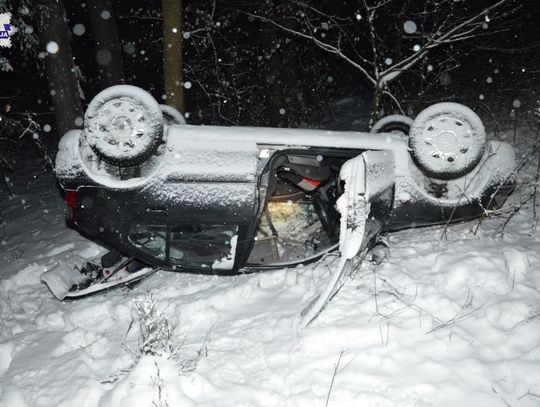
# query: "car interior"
[[299, 220]]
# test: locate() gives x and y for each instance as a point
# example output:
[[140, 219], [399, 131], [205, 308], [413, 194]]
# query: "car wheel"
[[123, 125], [171, 115], [447, 140], [395, 123]]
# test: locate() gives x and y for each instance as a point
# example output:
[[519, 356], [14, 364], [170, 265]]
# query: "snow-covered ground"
[[442, 322]]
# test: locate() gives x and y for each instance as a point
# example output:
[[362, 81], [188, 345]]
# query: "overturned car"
[[223, 199]]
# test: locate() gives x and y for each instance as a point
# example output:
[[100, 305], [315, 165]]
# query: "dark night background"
[[247, 71]]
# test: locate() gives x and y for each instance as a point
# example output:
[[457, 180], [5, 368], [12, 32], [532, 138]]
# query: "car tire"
[[171, 115], [394, 123], [123, 125], [447, 140]]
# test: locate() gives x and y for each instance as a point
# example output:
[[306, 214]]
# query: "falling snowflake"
[[52, 47], [129, 47], [78, 29], [409, 27], [445, 79]]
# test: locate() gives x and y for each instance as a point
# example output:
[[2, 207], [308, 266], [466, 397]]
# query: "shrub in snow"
[[157, 338], [156, 333]]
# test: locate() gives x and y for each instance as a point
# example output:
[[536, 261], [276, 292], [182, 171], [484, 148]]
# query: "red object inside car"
[[70, 198]]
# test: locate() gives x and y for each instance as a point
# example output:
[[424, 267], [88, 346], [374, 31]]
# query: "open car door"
[[364, 207]]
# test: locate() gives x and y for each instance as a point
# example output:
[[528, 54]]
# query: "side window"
[[150, 238], [204, 246], [191, 246], [292, 229]]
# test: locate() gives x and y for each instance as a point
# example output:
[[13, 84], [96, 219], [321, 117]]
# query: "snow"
[[227, 262], [52, 47], [78, 29], [129, 47], [440, 323], [409, 27], [447, 138], [287, 137], [188, 159], [171, 115], [393, 118], [131, 112], [103, 57]]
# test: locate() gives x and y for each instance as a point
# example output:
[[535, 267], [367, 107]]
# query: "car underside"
[[224, 199]]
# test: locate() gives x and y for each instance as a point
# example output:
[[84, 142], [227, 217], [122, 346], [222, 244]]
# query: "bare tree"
[[172, 53], [105, 35], [63, 85], [428, 26]]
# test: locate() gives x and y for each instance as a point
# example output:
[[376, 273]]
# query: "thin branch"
[[321, 44], [394, 99]]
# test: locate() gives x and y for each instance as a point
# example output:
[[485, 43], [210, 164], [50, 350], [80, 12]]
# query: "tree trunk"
[[377, 102], [273, 73], [105, 34], [63, 85], [172, 53]]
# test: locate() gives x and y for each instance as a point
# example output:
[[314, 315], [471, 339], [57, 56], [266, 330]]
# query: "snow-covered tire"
[[447, 140], [171, 115], [394, 123], [123, 125]]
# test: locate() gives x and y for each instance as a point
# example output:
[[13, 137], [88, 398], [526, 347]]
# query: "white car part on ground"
[[63, 276]]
